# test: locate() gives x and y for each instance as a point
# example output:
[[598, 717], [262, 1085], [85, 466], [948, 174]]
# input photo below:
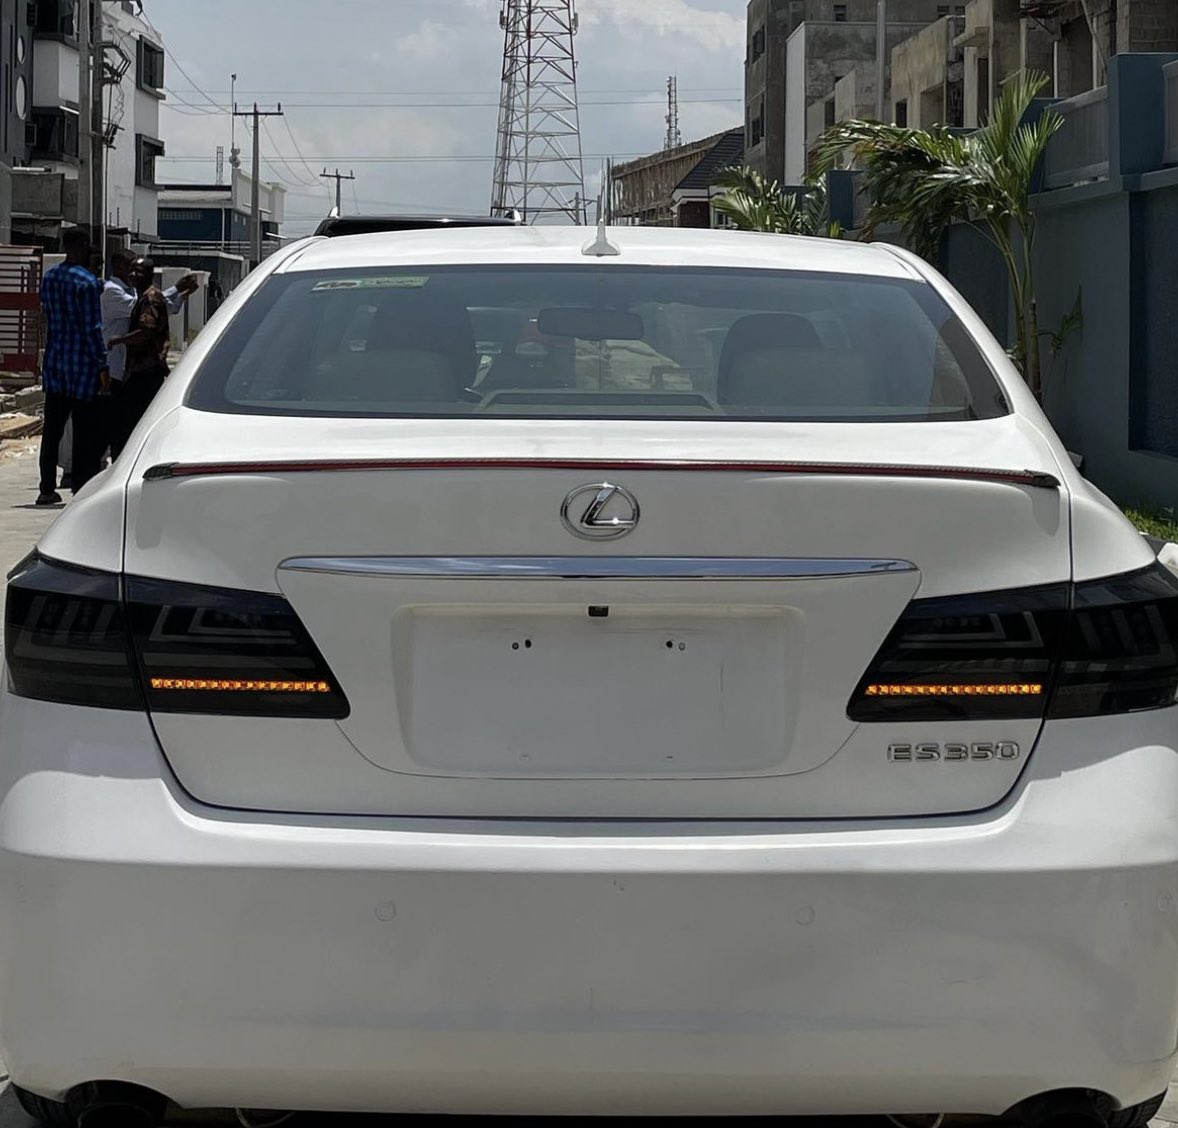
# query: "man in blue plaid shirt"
[[75, 373]]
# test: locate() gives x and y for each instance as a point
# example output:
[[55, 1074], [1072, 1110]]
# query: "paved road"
[[21, 524]]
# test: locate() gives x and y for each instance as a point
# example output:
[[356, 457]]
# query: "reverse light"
[[65, 637]]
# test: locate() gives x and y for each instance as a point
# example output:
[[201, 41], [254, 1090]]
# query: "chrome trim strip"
[[594, 567]]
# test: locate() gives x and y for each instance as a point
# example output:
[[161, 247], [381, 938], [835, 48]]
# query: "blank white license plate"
[[556, 692]]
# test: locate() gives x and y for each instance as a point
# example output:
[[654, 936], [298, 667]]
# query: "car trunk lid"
[[500, 661]]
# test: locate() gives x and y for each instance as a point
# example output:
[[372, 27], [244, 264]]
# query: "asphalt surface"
[[21, 525]]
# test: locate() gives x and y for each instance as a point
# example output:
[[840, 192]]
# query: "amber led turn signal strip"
[[218, 686], [1018, 689]]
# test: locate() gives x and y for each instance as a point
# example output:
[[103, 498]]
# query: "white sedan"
[[532, 670]]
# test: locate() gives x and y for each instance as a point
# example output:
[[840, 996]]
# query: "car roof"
[[337, 226], [566, 245]]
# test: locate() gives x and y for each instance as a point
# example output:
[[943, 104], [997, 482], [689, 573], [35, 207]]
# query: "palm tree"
[[753, 203], [923, 180]]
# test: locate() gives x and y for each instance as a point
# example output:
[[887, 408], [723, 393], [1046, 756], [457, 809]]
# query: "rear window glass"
[[594, 342]]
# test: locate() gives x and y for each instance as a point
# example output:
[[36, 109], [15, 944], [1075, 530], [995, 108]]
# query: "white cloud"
[[430, 41], [715, 30]]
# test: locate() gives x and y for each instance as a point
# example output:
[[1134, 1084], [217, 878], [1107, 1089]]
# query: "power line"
[[481, 105], [195, 87], [471, 93], [206, 110], [430, 159], [285, 160], [298, 149]]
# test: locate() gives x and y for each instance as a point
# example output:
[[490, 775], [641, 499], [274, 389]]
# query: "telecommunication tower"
[[539, 165]]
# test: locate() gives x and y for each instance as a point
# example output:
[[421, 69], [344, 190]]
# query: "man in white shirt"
[[118, 300]]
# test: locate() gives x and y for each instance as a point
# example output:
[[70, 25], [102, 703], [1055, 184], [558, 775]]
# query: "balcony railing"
[[1170, 155], [1041, 9], [1080, 151]]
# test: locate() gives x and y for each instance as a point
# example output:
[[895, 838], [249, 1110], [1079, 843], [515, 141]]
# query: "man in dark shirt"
[[75, 371], [147, 344]]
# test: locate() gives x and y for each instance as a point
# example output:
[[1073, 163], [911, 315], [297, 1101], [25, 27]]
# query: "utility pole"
[[339, 179], [98, 129], [256, 197], [881, 58], [85, 115]]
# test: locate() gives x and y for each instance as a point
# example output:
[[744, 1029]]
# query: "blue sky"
[[399, 56]]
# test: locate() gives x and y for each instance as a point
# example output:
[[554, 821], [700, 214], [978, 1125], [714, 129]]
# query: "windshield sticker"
[[404, 282]]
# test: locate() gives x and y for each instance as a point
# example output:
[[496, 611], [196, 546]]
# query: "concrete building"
[[819, 54], [134, 125], [134, 68], [928, 77], [16, 77], [209, 226], [947, 69], [219, 214], [674, 188], [1002, 37], [841, 35]]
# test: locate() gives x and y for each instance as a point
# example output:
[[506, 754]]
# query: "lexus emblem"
[[600, 512]]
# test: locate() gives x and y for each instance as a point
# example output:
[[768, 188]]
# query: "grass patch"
[[1162, 525]]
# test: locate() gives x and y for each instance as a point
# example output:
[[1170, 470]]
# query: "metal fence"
[[1080, 151], [20, 309], [1170, 71]]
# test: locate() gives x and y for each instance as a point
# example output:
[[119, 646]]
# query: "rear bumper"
[[958, 965]]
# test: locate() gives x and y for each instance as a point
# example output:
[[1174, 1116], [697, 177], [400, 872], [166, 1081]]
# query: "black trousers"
[[90, 437], [132, 397]]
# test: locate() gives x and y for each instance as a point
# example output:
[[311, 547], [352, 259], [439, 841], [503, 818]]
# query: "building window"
[[151, 66], [944, 10], [52, 17], [902, 114], [840, 13], [177, 215], [147, 149], [758, 44], [757, 132], [53, 135]]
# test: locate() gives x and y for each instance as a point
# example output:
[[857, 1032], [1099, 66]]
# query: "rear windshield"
[[598, 342]]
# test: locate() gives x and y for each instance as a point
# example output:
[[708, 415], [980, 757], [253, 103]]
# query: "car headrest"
[[760, 332], [429, 321]]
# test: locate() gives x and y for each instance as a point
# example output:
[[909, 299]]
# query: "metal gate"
[[20, 309]]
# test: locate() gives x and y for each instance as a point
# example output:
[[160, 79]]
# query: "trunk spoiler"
[[1036, 479]]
